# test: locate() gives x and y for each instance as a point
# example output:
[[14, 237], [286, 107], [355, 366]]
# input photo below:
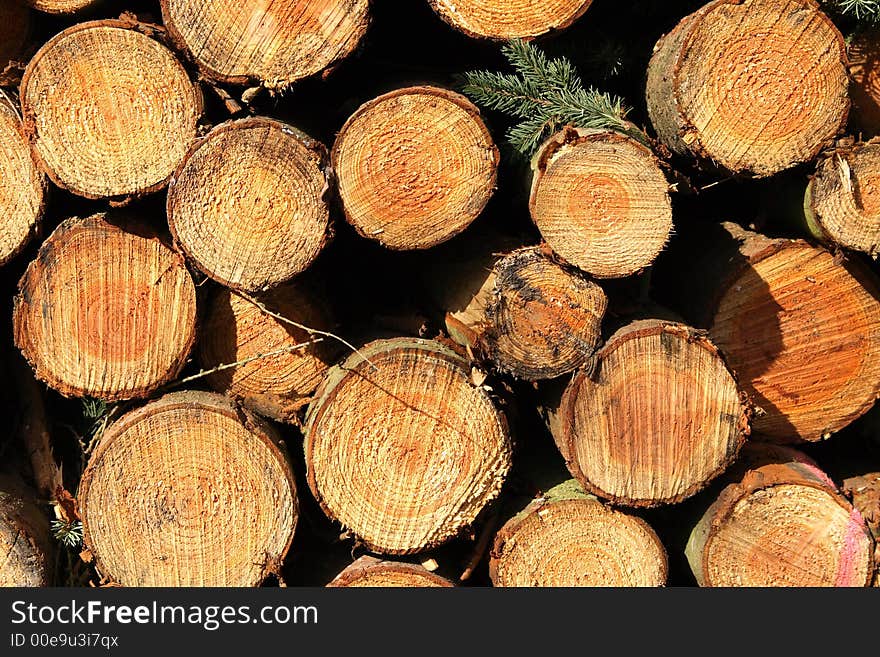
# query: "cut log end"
[[370, 572], [545, 320], [237, 330], [404, 450], [273, 44], [801, 330], [509, 19], [188, 490], [564, 539], [22, 185], [24, 538], [601, 202], [864, 57], [783, 525], [661, 416], [415, 167], [843, 199], [62, 6], [105, 311], [250, 190], [756, 86], [136, 100]]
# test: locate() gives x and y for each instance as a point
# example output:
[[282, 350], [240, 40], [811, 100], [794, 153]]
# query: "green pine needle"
[[69, 534], [545, 94], [862, 10], [96, 415]]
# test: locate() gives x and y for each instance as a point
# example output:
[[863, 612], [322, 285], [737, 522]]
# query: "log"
[[842, 201], [35, 429], [136, 110], [864, 69], [601, 201], [272, 44], [415, 167], [24, 537], [63, 6], [236, 330], [781, 525], [864, 493], [509, 19], [568, 538], [22, 185], [247, 203], [659, 417], [402, 448], [106, 309], [530, 315], [15, 32], [755, 86], [370, 572], [800, 327], [188, 490]]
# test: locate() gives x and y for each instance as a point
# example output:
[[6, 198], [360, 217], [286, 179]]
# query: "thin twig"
[[227, 366], [303, 327], [482, 544]]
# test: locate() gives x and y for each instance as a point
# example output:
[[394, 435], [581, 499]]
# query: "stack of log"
[[196, 258]]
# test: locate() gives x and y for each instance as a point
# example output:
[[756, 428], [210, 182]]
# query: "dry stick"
[[482, 545], [303, 327], [239, 363]]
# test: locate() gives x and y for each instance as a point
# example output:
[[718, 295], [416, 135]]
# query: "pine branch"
[[545, 94], [69, 534], [867, 11]]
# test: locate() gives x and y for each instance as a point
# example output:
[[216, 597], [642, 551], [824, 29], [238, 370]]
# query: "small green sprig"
[[867, 11], [69, 534], [544, 94]]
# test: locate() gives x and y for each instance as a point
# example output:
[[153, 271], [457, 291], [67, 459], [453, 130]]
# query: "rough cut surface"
[[544, 319], [864, 493], [105, 310], [782, 525], [269, 43], [415, 167], [567, 538], [509, 19], [864, 58], [370, 572], [247, 204], [658, 419], [136, 110], [404, 450], [188, 490], [842, 203], [235, 330], [754, 85], [24, 538], [601, 201], [22, 185], [62, 6], [802, 331]]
